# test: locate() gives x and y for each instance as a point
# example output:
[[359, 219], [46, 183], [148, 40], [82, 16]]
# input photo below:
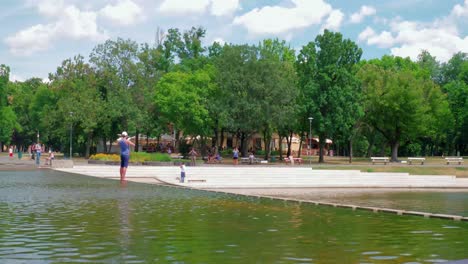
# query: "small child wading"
[[182, 173]]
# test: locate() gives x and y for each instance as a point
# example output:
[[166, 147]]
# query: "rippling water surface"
[[50, 217]]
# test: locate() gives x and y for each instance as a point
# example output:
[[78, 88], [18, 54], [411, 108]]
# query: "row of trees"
[[379, 106]]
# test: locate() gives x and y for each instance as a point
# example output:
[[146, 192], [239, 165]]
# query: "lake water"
[[52, 217]]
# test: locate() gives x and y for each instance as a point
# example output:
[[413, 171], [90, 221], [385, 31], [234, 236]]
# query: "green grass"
[[413, 170]]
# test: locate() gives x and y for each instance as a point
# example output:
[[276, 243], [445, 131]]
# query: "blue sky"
[[37, 35]]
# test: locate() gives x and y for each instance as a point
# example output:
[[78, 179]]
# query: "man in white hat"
[[124, 144]]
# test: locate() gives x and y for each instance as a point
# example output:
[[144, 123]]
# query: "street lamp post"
[[71, 135], [310, 138]]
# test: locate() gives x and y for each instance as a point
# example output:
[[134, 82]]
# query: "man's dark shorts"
[[124, 161]]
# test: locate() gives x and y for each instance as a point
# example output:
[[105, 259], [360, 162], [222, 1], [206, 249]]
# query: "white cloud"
[[363, 12], [224, 7], [366, 34], [460, 10], [221, 41], [125, 12], [383, 40], [182, 7], [31, 40], [16, 78], [48, 7], [70, 23], [278, 19], [334, 21], [408, 38]]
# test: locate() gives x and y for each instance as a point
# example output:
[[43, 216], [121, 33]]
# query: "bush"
[[134, 157], [105, 157], [260, 152], [227, 152]]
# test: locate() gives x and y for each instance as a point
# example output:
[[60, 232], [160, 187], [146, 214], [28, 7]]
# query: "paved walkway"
[[228, 177], [26, 163]]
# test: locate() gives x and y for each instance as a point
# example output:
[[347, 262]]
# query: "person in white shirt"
[[38, 153], [182, 172]]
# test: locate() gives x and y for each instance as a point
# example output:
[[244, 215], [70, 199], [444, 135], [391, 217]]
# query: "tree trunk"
[[289, 142], [244, 146], [370, 147], [322, 145], [221, 138], [280, 147], [88, 144], [267, 141], [300, 145], [395, 146], [350, 151], [137, 141], [147, 140]]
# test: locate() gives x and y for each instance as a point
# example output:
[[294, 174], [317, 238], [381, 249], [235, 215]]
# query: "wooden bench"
[[196, 180], [410, 160], [298, 160], [385, 160], [458, 160], [245, 160]]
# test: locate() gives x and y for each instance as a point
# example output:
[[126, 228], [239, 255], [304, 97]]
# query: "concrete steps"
[[273, 177]]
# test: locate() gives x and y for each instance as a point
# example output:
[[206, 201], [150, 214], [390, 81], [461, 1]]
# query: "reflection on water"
[[50, 217]]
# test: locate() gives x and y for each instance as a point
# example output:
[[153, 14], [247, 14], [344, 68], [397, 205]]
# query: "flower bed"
[[135, 157]]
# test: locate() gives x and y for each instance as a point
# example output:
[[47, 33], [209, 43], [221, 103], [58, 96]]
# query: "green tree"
[[22, 97], [181, 99], [399, 104], [431, 66], [456, 77], [277, 90], [329, 89], [117, 73], [8, 119], [79, 104]]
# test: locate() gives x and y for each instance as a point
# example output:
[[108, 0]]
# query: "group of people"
[[35, 153], [125, 144]]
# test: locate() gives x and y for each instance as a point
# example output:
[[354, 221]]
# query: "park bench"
[[196, 180], [458, 160], [245, 160], [298, 160], [385, 160], [294, 160], [416, 159]]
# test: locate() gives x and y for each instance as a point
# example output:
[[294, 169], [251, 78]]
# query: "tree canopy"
[[389, 105]]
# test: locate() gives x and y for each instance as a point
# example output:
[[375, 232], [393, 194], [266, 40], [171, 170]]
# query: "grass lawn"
[[432, 166]]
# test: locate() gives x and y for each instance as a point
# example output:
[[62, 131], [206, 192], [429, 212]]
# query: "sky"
[[37, 35]]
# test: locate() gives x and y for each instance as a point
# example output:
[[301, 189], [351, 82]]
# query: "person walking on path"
[[124, 144], [10, 152], [235, 156], [193, 157], [38, 149]]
